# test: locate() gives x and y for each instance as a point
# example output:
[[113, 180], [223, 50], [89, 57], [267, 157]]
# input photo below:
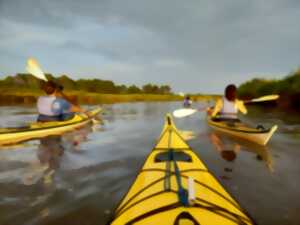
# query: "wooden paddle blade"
[[265, 98], [179, 113], [34, 68]]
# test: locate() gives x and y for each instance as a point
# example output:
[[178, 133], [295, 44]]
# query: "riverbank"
[[24, 89], [287, 88], [26, 97]]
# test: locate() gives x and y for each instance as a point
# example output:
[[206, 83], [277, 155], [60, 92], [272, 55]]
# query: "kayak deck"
[[175, 187], [259, 136], [38, 129]]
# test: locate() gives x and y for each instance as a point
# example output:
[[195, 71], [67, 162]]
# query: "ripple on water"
[[83, 182]]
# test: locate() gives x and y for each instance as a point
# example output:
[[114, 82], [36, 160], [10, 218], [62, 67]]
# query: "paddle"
[[263, 98], [183, 112], [179, 113], [34, 69]]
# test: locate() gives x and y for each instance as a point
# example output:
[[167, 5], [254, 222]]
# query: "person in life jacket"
[[187, 102], [52, 106], [228, 107]]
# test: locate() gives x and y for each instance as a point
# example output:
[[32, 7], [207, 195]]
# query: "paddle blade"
[[265, 98], [179, 113], [34, 68], [187, 135]]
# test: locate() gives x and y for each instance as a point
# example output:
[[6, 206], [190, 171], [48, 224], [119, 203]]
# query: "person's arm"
[[217, 108], [75, 108], [62, 106], [241, 106], [69, 104], [216, 141]]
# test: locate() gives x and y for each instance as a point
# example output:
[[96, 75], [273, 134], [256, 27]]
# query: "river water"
[[79, 178]]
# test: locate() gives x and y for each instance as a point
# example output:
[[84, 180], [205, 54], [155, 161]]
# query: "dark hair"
[[49, 87], [230, 92], [228, 155]]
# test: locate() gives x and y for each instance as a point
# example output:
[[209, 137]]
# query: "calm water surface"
[[80, 178]]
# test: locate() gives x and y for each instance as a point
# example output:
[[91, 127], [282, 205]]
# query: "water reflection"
[[229, 148], [94, 171], [50, 152]]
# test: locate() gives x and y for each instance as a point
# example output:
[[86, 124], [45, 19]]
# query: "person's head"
[[228, 155], [49, 87], [230, 92], [187, 97]]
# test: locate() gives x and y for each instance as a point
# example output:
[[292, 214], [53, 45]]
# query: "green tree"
[[150, 89], [66, 82], [165, 89], [133, 90]]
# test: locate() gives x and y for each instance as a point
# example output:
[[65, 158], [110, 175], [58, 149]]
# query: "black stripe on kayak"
[[228, 215], [154, 212], [119, 210], [200, 183], [116, 210], [45, 128], [185, 215], [238, 130], [222, 212], [218, 208], [141, 200], [151, 184]]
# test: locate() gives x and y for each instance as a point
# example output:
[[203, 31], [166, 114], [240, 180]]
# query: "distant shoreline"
[[12, 98], [25, 97], [24, 89]]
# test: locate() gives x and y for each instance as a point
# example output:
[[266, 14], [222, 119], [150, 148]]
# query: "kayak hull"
[[242, 131], [40, 130], [154, 196]]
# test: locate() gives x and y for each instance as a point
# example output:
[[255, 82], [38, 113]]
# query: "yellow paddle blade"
[[265, 98], [34, 68]]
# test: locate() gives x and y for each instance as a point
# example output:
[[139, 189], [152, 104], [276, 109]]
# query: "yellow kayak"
[[39, 130], [174, 187], [258, 135]]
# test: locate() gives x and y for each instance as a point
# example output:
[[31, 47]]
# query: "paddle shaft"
[[68, 99], [179, 113], [263, 99]]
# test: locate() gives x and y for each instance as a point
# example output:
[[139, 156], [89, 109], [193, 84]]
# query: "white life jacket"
[[45, 105], [229, 109]]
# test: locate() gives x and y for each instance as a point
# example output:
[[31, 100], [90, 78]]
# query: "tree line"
[[288, 88], [27, 81]]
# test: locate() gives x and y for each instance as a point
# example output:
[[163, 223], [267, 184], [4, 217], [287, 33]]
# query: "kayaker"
[[187, 102], [228, 107], [53, 107]]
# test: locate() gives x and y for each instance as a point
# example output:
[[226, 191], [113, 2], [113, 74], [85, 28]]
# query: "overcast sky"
[[193, 45]]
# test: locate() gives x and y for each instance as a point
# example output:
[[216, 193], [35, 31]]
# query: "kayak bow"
[[258, 135], [39, 130], [175, 187]]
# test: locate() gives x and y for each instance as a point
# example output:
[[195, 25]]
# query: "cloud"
[[196, 45]]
